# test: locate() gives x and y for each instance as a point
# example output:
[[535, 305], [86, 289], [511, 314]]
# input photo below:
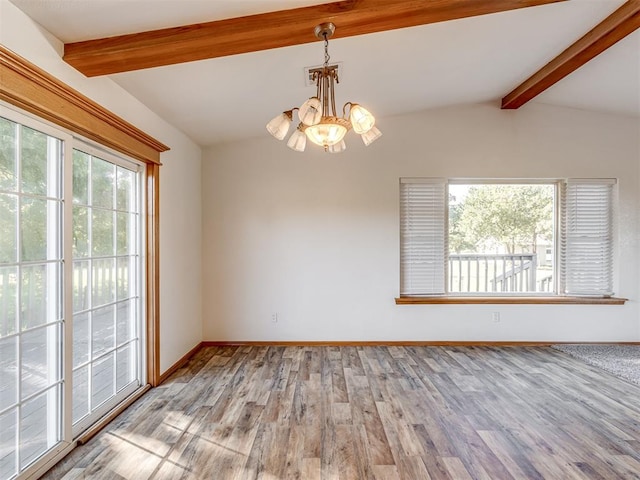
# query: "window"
[[501, 237], [105, 284], [32, 89], [71, 310], [31, 314], [496, 233]]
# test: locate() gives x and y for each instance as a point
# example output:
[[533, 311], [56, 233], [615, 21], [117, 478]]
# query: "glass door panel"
[[31, 322], [106, 285], [84, 316]]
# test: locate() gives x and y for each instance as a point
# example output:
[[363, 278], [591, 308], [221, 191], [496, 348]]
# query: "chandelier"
[[318, 120]]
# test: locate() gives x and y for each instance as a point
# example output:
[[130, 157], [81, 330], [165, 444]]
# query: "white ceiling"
[[471, 60]]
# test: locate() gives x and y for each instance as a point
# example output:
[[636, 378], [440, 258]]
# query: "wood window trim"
[[152, 270], [30, 88], [508, 300]]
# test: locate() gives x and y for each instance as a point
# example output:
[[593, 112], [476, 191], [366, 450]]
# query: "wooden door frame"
[[30, 88]]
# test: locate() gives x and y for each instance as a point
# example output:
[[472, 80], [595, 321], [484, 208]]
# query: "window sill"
[[550, 300]]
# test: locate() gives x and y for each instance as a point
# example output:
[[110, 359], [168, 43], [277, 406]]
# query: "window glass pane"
[[33, 158], [36, 348], [81, 177], [7, 155], [40, 295], [81, 339], [8, 372], [126, 366], [81, 299], [33, 296], [123, 278], [499, 236], [80, 393], [102, 387], [103, 278], [103, 331], [102, 232], [125, 325], [39, 428], [33, 229], [80, 231], [125, 191], [102, 183], [122, 237], [134, 226], [8, 223], [8, 300], [8, 435]]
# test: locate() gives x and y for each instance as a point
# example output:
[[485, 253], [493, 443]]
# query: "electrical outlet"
[[274, 317], [496, 317]]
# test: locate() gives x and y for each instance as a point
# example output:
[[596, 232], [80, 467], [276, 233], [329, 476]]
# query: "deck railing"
[[110, 280], [477, 273], [545, 284]]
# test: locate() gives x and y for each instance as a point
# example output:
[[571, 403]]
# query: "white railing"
[[31, 308], [478, 273], [545, 284]]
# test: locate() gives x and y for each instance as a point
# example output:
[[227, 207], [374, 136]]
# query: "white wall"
[[314, 236], [637, 245], [180, 205]]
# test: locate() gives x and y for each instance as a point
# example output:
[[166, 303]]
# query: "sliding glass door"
[[71, 313], [106, 284], [31, 322]]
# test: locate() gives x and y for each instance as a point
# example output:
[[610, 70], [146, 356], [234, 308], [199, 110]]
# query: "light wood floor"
[[373, 413]]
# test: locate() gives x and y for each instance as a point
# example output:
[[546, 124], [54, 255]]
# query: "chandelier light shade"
[[297, 141], [371, 136], [310, 112], [328, 131], [337, 147], [361, 120], [279, 126], [318, 119]]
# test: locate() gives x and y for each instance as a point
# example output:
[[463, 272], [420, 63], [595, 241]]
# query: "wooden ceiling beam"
[[612, 29], [269, 30]]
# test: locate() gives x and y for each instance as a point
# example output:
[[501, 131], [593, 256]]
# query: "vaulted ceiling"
[[224, 78]]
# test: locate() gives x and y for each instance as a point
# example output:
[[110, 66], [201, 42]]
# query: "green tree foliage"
[[26, 150], [8, 202], [515, 216], [459, 240], [7, 155]]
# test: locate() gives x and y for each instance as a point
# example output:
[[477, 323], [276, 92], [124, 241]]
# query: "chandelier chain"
[[326, 50]]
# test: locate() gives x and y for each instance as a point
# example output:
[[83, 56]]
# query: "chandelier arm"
[[332, 90], [318, 79], [344, 109], [325, 93]]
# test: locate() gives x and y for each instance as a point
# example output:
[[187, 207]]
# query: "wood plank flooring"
[[345, 413]]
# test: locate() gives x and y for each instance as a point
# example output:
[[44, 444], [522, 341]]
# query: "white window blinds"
[[586, 253], [422, 236]]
